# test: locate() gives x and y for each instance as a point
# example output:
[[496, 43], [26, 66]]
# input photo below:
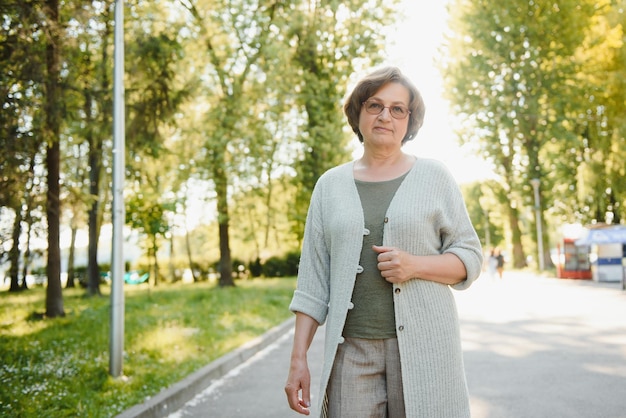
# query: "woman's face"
[[384, 130]]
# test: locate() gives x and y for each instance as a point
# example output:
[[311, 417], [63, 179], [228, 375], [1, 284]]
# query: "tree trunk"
[[519, 260], [172, 267], [226, 269], [14, 254], [95, 155], [27, 216], [95, 141], [70, 261], [54, 294], [547, 259], [155, 265], [27, 252], [189, 256]]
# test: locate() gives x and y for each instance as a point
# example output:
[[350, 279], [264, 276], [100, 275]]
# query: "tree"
[[146, 214], [21, 50], [331, 37], [153, 103], [601, 144], [236, 39], [485, 210], [510, 74], [89, 115], [271, 65], [52, 128], [263, 229]]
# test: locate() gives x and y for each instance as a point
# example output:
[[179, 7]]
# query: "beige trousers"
[[366, 380]]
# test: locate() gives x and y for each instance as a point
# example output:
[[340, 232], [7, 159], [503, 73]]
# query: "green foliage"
[[239, 98], [485, 211], [529, 79], [154, 97], [600, 181], [148, 216], [262, 227], [325, 35], [59, 368]]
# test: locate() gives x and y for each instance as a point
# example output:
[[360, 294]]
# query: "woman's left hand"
[[395, 265], [398, 266]]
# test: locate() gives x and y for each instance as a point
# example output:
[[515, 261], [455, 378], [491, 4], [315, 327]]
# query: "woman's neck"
[[381, 167]]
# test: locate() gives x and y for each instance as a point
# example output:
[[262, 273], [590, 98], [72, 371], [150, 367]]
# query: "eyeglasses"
[[376, 108]]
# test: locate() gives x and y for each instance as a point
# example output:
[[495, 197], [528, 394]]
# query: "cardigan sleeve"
[[458, 234], [313, 285]]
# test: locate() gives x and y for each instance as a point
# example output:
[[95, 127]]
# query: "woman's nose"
[[385, 114]]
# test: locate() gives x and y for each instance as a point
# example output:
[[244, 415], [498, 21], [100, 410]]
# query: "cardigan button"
[[397, 290], [386, 219], [366, 231], [341, 340], [350, 305], [401, 328], [359, 269]]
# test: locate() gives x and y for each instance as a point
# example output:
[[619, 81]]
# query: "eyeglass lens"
[[375, 108]]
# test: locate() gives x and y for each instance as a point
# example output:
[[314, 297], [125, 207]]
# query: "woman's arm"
[[299, 378], [398, 266]]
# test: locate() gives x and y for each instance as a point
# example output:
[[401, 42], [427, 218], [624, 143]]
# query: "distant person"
[[499, 262], [386, 236]]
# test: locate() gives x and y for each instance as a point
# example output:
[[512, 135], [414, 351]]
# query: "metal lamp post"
[[535, 183], [483, 204], [117, 262]]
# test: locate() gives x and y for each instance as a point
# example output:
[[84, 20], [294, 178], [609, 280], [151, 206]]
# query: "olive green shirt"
[[373, 315]]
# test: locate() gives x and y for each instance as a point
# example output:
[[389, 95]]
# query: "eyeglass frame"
[[364, 105]]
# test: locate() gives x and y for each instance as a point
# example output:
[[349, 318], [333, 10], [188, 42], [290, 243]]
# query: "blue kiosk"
[[607, 254]]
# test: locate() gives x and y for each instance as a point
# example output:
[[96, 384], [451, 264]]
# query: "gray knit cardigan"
[[426, 216]]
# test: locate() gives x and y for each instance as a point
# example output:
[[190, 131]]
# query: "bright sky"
[[416, 40]]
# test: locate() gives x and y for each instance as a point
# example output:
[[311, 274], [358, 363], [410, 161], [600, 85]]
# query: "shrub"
[[284, 266]]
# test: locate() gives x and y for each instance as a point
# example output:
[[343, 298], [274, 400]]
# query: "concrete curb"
[[174, 397]]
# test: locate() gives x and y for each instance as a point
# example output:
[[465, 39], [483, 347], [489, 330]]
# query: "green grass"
[[59, 367]]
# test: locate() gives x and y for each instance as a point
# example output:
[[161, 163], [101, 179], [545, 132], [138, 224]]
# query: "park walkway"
[[534, 347]]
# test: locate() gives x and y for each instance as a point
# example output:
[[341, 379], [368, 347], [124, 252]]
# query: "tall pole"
[[487, 232], [117, 262], [482, 201], [535, 183]]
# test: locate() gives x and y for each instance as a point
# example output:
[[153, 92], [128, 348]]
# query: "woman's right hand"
[[298, 386], [299, 383]]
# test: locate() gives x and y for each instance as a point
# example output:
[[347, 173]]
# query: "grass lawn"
[[59, 367]]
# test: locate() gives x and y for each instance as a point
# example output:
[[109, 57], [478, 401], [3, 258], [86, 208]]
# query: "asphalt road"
[[533, 347]]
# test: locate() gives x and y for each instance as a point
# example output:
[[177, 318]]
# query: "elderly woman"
[[386, 237]]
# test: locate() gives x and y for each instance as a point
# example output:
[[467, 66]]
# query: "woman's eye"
[[398, 109], [376, 106]]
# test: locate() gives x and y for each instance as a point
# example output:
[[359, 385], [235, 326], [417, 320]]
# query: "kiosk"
[[573, 261], [608, 252]]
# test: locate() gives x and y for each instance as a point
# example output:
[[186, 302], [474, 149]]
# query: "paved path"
[[255, 389], [533, 347], [544, 348]]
